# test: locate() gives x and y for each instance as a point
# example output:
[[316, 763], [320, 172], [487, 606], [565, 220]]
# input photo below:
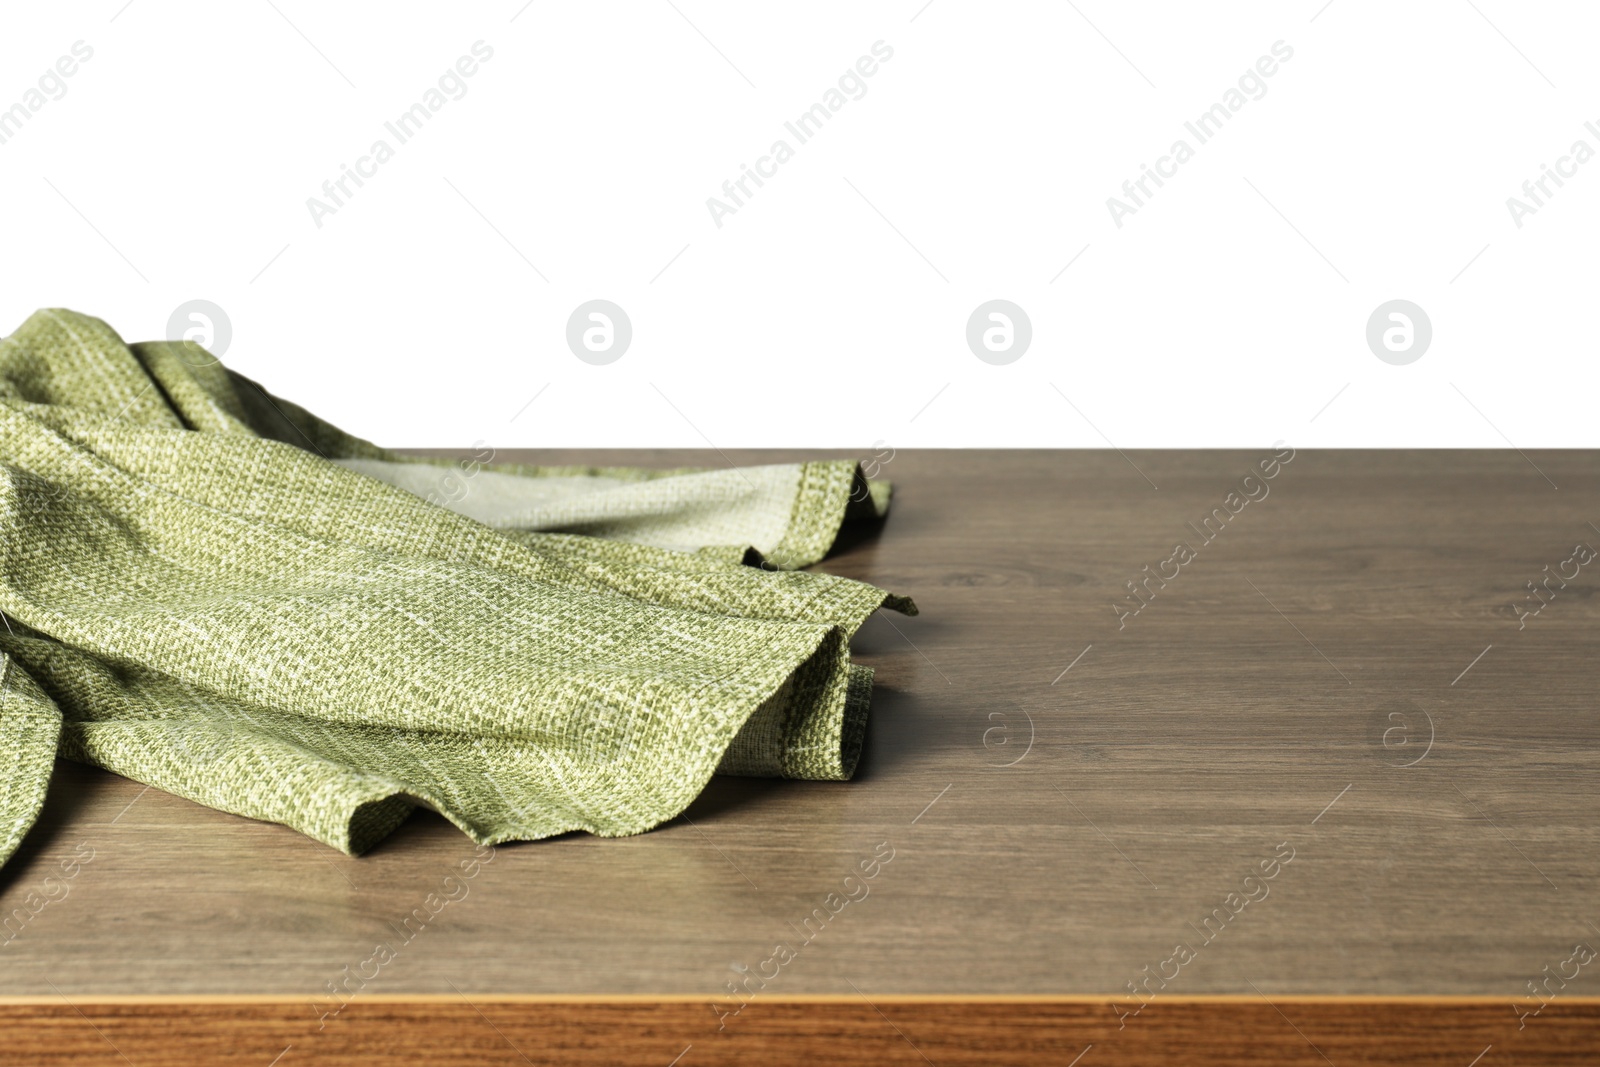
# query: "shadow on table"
[[892, 742], [67, 801]]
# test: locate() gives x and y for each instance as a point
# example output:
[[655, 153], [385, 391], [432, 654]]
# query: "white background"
[[831, 309]]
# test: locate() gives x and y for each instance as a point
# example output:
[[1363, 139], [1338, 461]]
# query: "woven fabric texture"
[[210, 590]]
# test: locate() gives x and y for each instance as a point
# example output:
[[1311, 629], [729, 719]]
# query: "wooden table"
[[1329, 795]]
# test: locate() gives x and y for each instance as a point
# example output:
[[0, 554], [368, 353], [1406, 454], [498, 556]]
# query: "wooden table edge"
[[1308, 999], [855, 1030]]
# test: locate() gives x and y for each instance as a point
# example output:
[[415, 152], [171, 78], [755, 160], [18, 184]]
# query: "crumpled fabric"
[[207, 589]]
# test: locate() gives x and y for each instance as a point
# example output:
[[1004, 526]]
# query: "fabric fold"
[[211, 591]]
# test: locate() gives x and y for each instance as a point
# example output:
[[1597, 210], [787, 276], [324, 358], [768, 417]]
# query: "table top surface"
[[1340, 748]]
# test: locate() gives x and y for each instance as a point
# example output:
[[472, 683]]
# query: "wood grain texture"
[[457, 1032], [1278, 694]]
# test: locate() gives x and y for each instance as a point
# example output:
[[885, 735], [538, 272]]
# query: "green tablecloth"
[[210, 590]]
